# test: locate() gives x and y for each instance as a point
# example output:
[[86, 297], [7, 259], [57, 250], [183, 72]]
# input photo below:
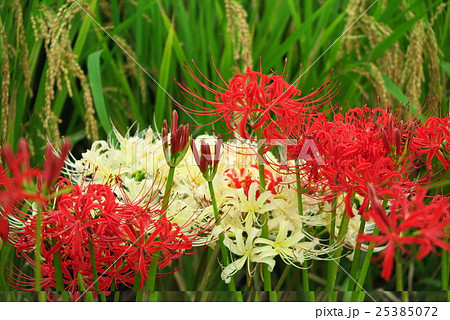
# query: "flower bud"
[[179, 141], [4, 230], [206, 160], [385, 140], [54, 164], [398, 141]]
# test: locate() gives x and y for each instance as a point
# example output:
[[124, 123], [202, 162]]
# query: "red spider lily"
[[292, 133], [22, 281], [242, 178], [409, 222], [252, 98], [207, 161], [149, 238], [20, 185], [364, 146], [126, 239], [433, 140], [179, 141], [28, 183]]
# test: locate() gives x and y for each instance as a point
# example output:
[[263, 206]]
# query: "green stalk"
[[305, 278], [445, 271], [5, 254], [94, 271], [223, 249], [168, 188], [355, 263], [357, 294], [139, 293], [265, 228], [399, 275], [333, 265], [151, 280], [208, 270], [333, 225], [89, 295], [37, 256], [59, 276], [283, 277], [329, 286]]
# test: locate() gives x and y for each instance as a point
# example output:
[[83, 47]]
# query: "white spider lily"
[[285, 244], [251, 205], [245, 248]]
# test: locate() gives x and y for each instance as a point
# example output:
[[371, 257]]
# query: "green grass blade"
[[95, 79], [161, 95], [446, 67], [397, 93]]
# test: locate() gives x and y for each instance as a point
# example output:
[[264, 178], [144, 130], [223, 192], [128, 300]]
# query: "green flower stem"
[[265, 228], [212, 259], [223, 249], [445, 272], [333, 265], [214, 202], [37, 257], [355, 263], [357, 294], [283, 277], [139, 293], [399, 275], [333, 225], [168, 188], [149, 283], [59, 276], [89, 295], [94, 271], [305, 278], [151, 280]]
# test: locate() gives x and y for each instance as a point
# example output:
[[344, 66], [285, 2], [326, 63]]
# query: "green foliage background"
[[163, 35]]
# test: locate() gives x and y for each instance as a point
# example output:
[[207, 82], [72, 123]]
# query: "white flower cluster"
[[137, 163]]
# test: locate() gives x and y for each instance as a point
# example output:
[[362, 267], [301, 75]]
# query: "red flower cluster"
[[125, 238], [374, 155], [253, 99], [19, 182], [432, 139], [364, 146], [408, 221], [365, 153]]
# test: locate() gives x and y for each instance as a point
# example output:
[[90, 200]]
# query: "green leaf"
[[281, 50], [95, 80], [161, 95], [446, 67], [396, 92]]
